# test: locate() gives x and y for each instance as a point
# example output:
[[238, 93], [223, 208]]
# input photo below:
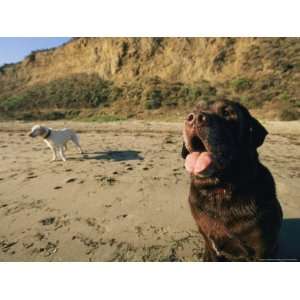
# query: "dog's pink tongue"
[[197, 162]]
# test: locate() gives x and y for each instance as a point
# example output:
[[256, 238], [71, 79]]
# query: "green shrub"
[[284, 96], [104, 118], [171, 102], [12, 103], [206, 98], [154, 99], [289, 114], [153, 104], [194, 93], [207, 89], [242, 84], [31, 57], [54, 115], [76, 91], [249, 102], [28, 116]]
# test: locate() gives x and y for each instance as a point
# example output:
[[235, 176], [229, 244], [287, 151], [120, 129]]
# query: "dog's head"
[[218, 136], [38, 130]]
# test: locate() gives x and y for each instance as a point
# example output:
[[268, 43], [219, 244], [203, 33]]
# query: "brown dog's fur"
[[235, 205]]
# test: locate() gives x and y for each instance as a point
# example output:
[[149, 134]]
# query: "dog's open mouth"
[[199, 161]]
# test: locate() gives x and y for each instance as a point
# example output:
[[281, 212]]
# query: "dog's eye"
[[225, 113], [228, 112]]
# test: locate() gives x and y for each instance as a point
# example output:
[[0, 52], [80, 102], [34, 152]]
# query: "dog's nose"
[[30, 134], [201, 118], [190, 119], [196, 119]]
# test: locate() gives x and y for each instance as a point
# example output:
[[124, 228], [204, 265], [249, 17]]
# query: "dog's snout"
[[201, 118], [30, 134], [190, 118], [196, 119]]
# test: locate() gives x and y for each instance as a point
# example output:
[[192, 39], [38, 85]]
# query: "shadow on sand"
[[114, 155], [289, 240]]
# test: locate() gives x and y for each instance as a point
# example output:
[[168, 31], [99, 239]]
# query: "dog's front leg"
[[61, 153], [53, 149], [54, 155]]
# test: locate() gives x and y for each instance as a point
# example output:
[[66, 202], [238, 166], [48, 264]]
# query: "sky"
[[15, 49]]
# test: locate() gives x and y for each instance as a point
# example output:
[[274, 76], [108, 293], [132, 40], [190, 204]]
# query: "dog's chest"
[[213, 202], [210, 226], [222, 212], [213, 209]]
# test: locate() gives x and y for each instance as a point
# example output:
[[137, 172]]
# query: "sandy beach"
[[125, 199]]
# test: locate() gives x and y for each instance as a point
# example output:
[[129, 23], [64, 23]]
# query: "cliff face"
[[172, 59], [273, 61]]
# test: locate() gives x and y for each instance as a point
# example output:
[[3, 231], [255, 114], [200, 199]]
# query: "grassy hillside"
[[140, 77]]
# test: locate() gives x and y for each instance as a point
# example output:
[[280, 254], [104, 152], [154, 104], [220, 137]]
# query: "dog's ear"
[[252, 133], [258, 133], [184, 151], [43, 130]]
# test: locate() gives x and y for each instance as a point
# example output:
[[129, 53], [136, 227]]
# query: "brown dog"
[[232, 195]]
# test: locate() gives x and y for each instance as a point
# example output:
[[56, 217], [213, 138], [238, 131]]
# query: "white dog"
[[56, 139]]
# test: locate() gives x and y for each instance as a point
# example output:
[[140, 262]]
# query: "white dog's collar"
[[47, 134]]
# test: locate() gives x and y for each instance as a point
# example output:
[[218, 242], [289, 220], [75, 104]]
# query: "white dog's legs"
[[54, 155], [75, 140], [79, 149], [61, 153]]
